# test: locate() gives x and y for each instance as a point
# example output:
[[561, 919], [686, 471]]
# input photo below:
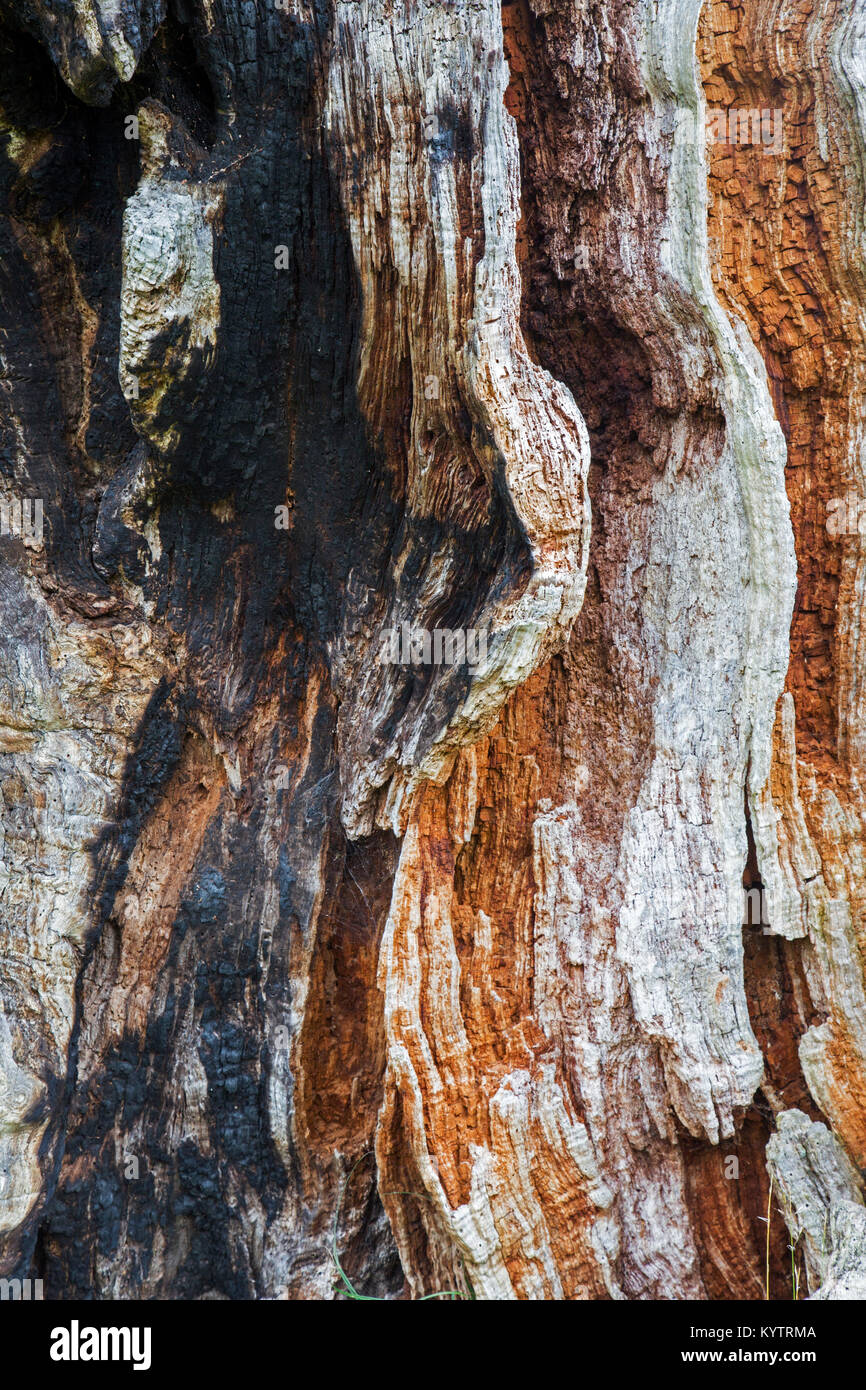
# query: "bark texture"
[[327, 320]]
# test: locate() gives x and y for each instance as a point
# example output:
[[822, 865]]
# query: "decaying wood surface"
[[324, 323]]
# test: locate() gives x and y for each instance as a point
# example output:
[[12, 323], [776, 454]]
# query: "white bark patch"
[[96, 43], [71, 699], [821, 1198], [428, 98], [170, 299]]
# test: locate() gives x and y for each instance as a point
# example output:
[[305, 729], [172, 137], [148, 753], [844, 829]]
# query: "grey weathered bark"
[[328, 326]]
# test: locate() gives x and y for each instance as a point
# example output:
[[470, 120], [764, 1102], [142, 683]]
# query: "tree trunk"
[[447, 426]]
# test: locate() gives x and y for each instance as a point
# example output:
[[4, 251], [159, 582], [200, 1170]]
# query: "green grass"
[[796, 1273], [344, 1285]]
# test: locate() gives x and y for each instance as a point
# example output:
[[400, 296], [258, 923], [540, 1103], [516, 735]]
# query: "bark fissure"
[[447, 615]]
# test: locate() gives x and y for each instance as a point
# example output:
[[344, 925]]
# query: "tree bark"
[[329, 327]]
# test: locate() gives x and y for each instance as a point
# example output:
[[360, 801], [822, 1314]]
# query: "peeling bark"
[[448, 610]]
